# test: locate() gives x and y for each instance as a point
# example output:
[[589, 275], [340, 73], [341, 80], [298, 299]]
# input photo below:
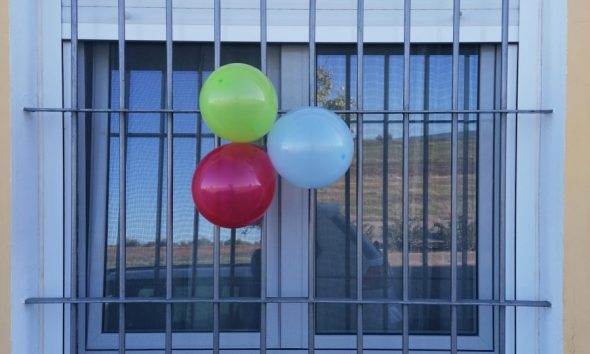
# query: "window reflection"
[[429, 228], [429, 188], [147, 201]]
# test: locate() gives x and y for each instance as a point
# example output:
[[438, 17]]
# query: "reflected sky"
[[147, 152]]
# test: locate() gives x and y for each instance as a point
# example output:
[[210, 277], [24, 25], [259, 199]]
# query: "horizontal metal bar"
[[346, 111], [352, 121], [176, 135], [287, 300]]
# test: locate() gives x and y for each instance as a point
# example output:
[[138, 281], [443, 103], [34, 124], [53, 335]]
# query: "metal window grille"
[[501, 112]]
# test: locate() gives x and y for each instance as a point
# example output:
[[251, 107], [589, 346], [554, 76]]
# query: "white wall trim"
[[527, 178], [539, 228], [288, 20], [551, 172], [37, 175]]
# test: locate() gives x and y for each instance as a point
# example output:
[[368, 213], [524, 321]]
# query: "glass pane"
[[147, 202], [381, 203], [467, 257], [336, 209], [430, 195], [429, 187], [186, 86], [240, 277]]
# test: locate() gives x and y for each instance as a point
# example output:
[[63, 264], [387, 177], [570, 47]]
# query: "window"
[[287, 222]]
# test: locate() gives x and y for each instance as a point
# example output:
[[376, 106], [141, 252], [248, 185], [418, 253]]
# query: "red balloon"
[[233, 185]]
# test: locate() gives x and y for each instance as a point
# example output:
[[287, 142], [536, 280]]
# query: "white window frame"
[[291, 320]]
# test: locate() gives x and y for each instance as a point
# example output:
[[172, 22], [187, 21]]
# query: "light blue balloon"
[[310, 147]]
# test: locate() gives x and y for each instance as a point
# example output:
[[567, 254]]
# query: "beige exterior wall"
[[576, 292], [5, 177]]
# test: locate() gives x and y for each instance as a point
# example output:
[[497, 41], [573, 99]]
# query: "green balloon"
[[238, 103]]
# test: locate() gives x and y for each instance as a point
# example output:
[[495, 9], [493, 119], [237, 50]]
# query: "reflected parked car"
[[336, 276]]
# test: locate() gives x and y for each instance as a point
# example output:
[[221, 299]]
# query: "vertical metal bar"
[[122, 173], [502, 189], [465, 185], [195, 250], [74, 179], [159, 195], [385, 191], [216, 33], [279, 238], [159, 192], [216, 229], [312, 192], [454, 156], [312, 52], [263, 37], [232, 270], [347, 184], [359, 173], [406, 182], [263, 305], [426, 183], [279, 247], [169, 176], [264, 229], [280, 257]]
